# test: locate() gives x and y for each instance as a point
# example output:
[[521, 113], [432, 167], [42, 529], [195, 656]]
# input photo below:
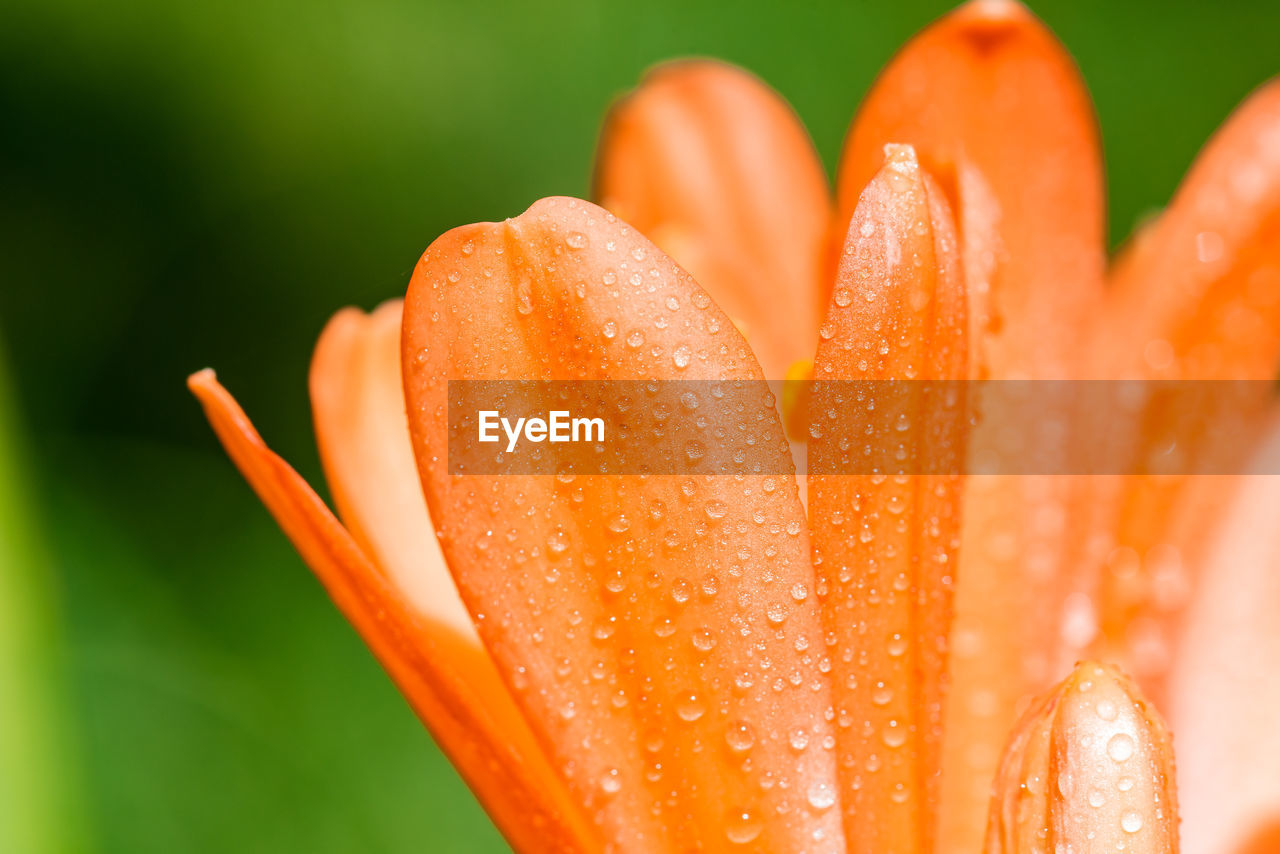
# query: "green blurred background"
[[186, 184]]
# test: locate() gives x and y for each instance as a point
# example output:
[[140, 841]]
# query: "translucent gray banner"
[[891, 427]]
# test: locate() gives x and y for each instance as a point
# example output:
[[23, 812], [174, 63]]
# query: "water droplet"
[[1120, 747], [821, 795], [612, 783], [704, 640], [681, 357], [690, 708], [576, 240], [740, 736], [897, 645], [1131, 822], [558, 542], [1209, 247], [742, 826]]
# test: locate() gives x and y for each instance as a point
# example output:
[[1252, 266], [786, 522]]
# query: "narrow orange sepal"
[[439, 671]]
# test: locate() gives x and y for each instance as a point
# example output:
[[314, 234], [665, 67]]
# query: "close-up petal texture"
[[885, 543], [655, 630], [714, 167], [890, 623]]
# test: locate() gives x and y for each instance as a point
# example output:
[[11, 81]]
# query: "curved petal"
[[1195, 297], [714, 166], [658, 631], [1265, 841], [1224, 700], [357, 401], [432, 665], [1088, 768], [885, 546], [996, 110]]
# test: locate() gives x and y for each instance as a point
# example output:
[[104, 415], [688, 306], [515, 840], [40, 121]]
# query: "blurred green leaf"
[[227, 705], [39, 805]]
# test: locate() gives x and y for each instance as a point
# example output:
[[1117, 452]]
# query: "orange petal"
[[659, 632], [885, 547], [442, 672], [1265, 841], [1089, 768], [1197, 295], [996, 109], [1224, 700], [357, 400], [713, 166]]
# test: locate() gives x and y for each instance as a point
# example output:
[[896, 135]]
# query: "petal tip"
[[991, 17], [1092, 765], [201, 379], [901, 156]]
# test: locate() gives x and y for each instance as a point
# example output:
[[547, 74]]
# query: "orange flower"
[[667, 663]]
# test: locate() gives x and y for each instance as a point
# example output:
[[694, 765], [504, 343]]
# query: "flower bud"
[[1088, 769]]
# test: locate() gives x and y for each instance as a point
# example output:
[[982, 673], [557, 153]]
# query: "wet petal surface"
[[657, 630], [885, 543]]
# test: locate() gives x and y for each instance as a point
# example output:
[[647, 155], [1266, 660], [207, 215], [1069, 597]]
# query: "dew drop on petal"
[[740, 736], [821, 795], [742, 826], [1120, 747]]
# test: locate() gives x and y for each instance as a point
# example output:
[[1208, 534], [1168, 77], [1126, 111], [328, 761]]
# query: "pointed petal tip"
[[900, 153], [687, 65], [993, 11], [436, 671], [202, 379], [990, 18]]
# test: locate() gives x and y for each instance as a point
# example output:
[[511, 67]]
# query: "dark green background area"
[[186, 184]]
